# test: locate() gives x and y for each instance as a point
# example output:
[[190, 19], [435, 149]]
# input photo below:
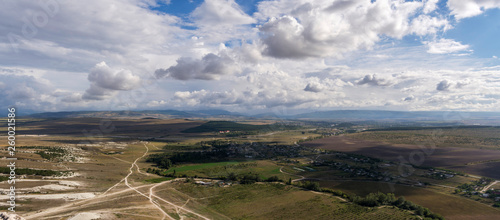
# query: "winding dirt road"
[[489, 186], [113, 196]]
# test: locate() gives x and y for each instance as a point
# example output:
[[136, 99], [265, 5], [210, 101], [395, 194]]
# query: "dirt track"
[[113, 194]]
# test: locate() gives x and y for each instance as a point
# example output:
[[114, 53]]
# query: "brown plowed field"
[[446, 157]]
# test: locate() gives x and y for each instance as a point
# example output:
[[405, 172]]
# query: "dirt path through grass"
[[301, 177], [106, 196], [489, 186]]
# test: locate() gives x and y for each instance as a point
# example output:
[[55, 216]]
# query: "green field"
[[185, 168], [263, 168]]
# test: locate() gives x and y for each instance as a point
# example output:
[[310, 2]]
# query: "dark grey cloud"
[[23, 91], [285, 38], [210, 67], [97, 93], [341, 5], [409, 98], [373, 80], [313, 87], [443, 85]]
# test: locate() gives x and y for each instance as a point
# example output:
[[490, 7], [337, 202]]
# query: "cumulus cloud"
[[155, 103], [443, 85], [318, 30], [425, 24], [249, 53], [430, 6], [469, 8], [75, 35], [374, 81], [220, 12], [210, 67], [104, 81], [337, 31], [444, 46], [314, 87], [285, 39], [105, 77]]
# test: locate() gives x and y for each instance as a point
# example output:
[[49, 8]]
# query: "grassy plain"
[[277, 201], [264, 168], [112, 162]]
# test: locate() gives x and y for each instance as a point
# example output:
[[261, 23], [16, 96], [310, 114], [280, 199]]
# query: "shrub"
[[273, 179]]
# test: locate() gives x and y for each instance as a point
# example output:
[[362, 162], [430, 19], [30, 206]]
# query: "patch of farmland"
[[449, 206], [447, 157]]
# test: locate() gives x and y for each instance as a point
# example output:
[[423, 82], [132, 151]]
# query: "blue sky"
[[481, 32], [250, 56]]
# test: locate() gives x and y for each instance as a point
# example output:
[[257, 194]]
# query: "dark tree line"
[[374, 200]]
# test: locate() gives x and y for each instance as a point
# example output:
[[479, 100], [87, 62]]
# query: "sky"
[[250, 56]]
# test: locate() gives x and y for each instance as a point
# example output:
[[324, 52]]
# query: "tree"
[[289, 181], [232, 176], [399, 201], [311, 186], [165, 163]]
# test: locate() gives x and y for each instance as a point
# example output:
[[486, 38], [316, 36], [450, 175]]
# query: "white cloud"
[[220, 12], [374, 81], [155, 103], [430, 6], [424, 25], [210, 67], [444, 46], [469, 8], [79, 34], [314, 87], [105, 77], [105, 81], [318, 29], [345, 54]]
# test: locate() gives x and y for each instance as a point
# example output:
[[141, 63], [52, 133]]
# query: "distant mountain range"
[[415, 115], [137, 114], [319, 115]]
